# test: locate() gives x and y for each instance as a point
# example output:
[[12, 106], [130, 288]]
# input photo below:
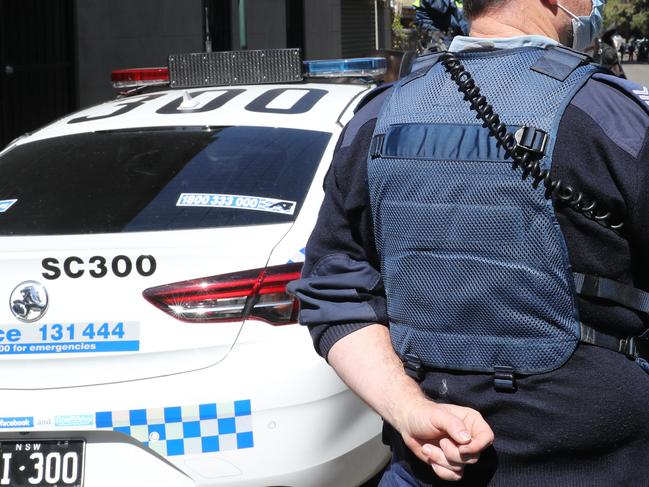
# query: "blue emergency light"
[[372, 67]]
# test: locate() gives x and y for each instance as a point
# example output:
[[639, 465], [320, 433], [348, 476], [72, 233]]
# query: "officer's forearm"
[[367, 363]]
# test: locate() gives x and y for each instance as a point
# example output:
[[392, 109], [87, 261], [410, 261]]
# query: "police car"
[[146, 337]]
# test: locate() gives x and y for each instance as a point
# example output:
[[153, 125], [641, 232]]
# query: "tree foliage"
[[630, 17]]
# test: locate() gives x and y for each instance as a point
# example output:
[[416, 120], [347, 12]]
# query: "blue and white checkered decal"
[[185, 430]]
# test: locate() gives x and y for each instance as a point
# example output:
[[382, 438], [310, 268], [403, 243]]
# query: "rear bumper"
[[260, 417]]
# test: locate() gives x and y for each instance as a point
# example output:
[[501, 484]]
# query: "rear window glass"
[[157, 179]]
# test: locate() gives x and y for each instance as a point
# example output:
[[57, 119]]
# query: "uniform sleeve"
[[341, 290], [603, 150]]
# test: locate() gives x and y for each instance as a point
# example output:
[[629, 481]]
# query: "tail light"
[[259, 293]]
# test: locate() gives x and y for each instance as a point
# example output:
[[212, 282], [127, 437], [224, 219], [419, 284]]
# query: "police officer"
[[476, 274], [438, 21]]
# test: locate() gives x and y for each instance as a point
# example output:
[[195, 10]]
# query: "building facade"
[[56, 56]]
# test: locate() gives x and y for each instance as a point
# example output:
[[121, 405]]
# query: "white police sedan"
[[146, 338]]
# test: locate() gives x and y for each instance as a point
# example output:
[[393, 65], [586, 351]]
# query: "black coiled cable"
[[521, 157]]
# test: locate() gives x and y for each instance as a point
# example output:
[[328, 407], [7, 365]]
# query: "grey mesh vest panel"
[[474, 263]]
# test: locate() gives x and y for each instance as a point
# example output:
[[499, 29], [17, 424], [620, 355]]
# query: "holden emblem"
[[29, 301]]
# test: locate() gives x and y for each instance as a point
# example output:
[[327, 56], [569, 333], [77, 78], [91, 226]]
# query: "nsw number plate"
[[42, 463]]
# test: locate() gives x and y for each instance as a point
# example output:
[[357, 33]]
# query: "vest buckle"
[[628, 347], [505, 379], [413, 367], [376, 146], [532, 139], [632, 347]]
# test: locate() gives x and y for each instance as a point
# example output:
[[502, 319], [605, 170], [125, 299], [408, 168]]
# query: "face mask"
[[585, 28]]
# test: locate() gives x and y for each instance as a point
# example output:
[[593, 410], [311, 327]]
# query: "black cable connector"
[[524, 158]]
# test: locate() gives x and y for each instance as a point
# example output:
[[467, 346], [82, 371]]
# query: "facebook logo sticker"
[[23, 422]]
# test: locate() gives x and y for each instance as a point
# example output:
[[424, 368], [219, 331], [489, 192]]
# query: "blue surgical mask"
[[585, 27]]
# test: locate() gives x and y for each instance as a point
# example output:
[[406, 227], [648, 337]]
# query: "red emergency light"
[[133, 78]]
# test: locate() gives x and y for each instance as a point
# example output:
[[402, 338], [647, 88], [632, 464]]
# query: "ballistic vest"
[[475, 266]]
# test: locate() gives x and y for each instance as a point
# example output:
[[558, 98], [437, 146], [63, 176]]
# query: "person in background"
[[604, 53], [438, 22]]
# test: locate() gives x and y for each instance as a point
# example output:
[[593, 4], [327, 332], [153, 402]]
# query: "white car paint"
[[282, 416]]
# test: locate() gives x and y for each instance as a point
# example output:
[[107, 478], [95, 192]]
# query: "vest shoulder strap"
[[559, 62], [417, 67]]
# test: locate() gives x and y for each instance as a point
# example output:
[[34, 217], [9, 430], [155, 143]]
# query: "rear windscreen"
[[157, 179]]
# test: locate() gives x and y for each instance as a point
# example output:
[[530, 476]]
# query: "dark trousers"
[[397, 476]]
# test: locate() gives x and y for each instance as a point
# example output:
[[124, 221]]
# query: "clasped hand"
[[446, 436]]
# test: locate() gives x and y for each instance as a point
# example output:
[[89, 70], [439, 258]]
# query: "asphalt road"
[[638, 72]]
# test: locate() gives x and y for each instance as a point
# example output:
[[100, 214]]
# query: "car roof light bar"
[[371, 67], [227, 68], [235, 68]]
